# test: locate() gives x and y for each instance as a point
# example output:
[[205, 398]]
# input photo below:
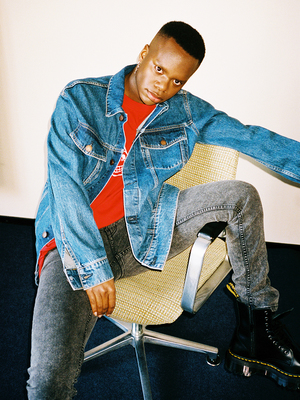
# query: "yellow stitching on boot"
[[259, 362], [231, 288]]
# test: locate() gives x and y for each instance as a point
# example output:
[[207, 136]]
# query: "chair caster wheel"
[[214, 362]]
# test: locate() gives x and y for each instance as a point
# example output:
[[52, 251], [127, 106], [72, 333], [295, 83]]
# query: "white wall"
[[251, 71]]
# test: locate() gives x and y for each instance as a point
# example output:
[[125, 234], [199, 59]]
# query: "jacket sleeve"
[[78, 239], [276, 152]]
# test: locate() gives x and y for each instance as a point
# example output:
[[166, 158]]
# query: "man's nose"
[[162, 84]]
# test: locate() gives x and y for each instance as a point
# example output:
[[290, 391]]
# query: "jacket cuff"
[[90, 275]]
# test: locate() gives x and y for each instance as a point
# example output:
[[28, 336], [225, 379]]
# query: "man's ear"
[[144, 52]]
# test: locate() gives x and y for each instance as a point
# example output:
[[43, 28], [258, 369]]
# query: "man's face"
[[164, 67]]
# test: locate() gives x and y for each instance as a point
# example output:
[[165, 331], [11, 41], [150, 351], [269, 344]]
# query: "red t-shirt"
[[108, 206]]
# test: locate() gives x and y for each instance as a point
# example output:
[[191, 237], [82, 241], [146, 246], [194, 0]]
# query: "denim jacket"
[[85, 143]]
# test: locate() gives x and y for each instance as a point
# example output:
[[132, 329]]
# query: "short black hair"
[[186, 36]]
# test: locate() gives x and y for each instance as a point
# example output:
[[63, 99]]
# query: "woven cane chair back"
[[154, 297]]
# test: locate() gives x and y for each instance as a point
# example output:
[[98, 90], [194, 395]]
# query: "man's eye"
[[176, 82], [158, 69]]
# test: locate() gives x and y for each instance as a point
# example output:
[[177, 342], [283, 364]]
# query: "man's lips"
[[153, 97]]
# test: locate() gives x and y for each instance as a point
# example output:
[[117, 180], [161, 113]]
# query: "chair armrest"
[[205, 237]]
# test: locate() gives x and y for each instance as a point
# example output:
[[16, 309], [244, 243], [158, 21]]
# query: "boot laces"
[[277, 331]]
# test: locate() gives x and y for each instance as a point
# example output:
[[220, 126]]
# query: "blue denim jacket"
[[85, 143]]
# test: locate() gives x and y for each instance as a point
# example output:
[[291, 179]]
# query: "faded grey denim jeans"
[[63, 321]]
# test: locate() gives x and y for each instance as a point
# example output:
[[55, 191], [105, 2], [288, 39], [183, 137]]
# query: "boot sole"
[[248, 367]]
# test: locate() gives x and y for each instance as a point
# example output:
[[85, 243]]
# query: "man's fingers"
[[111, 298], [102, 298], [111, 303], [102, 302], [93, 301]]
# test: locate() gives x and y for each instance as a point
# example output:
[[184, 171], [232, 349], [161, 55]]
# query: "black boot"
[[262, 345]]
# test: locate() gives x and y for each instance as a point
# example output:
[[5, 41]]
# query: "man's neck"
[[130, 87]]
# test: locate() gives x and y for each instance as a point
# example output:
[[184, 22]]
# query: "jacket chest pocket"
[[93, 151], [164, 149]]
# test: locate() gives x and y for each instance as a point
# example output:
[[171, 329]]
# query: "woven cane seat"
[[154, 297]]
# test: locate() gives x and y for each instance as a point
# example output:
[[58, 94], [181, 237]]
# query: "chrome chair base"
[[137, 335]]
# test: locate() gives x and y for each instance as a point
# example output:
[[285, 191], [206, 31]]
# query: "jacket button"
[[163, 142], [45, 234], [121, 117], [89, 148], [112, 162]]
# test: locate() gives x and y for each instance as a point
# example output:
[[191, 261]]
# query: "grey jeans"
[[63, 321]]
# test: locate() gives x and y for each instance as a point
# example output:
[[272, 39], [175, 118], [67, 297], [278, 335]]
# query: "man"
[[106, 212]]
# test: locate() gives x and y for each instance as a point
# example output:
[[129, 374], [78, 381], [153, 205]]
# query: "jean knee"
[[249, 194], [240, 188]]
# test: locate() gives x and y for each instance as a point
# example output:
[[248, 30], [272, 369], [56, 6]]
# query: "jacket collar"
[[115, 91]]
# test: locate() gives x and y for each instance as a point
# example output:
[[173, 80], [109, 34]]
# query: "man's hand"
[[102, 298]]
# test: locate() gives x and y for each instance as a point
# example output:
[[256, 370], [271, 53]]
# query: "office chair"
[[186, 282]]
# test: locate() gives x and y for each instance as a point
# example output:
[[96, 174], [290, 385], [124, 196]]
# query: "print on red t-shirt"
[[108, 206]]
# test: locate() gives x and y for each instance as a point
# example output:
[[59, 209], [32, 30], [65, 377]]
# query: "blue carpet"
[[174, 374]]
